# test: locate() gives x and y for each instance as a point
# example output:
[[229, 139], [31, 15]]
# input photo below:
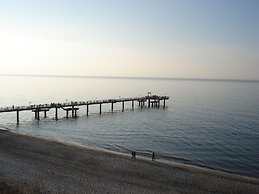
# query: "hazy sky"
[[161, 38]]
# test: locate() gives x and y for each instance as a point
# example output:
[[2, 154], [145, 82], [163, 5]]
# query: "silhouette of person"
[[153, 156], [133, 154]]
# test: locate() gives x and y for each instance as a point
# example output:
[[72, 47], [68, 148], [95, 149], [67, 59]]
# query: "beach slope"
[[38, 165]]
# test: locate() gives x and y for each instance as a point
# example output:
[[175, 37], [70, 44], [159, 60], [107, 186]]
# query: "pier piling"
[[73, 110], [112, 107], [122, 106], [37, 115], [17, 116], [67, 114], [56, 114], [75, 113]]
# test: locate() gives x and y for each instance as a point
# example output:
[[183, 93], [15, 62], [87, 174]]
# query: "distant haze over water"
[[130, 77], [208, 122]]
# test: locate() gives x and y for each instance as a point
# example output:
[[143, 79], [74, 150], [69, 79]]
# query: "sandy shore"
[[38, 165]]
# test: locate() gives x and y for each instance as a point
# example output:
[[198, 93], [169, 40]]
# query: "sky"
[[216, 39]]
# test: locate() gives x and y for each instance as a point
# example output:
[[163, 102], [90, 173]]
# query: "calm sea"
[[207, 123]]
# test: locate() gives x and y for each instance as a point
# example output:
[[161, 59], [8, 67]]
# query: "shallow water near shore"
[[207, 123]]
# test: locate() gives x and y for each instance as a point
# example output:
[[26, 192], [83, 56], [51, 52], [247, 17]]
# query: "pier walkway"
[[153, 101]]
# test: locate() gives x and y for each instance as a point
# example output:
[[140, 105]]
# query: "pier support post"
[[132, 104], [149, 103], [122, 106], [87, 109], [56, 115], [100, 108], [164, 103], [139, 103], [67, 114], [17, 116], [112, 107], [73, 112], [45, 114], [37, 115]]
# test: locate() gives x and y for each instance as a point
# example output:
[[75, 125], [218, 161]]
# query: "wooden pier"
[[153, 101]]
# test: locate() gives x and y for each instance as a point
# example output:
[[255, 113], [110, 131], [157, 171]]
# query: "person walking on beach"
[[133, 154], [153, 156]]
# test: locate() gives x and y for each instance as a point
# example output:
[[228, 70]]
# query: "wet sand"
[[41, 165]]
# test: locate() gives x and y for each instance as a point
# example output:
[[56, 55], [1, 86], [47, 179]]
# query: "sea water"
[[206, 122]]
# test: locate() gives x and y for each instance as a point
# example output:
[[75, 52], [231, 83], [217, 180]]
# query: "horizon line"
[[132, 77]]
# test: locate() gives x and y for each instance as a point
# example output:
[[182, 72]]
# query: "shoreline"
[[49, 161], [174, 162]]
